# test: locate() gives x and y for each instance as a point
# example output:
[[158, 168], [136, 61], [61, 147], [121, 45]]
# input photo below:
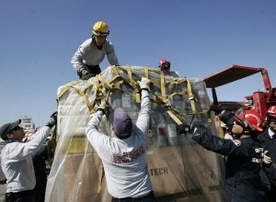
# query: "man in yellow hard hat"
[[92, 52]]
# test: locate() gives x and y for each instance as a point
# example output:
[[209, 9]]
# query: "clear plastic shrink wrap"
[[179, 168]]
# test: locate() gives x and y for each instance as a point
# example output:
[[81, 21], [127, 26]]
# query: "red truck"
[[258, 101]]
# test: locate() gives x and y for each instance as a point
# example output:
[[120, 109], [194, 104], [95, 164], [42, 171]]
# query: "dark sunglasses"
[[104, 34]]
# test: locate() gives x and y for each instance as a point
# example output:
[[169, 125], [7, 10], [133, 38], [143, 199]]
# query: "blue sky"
[[199, 37]]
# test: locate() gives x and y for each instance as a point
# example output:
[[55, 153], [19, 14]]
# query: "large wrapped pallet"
[[180, 169]]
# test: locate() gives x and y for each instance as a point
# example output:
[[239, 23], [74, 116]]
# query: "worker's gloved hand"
[[183, 128], [103, 106], [199, 129], [85, 74], [144, 83], [266, 158], [53, 120]]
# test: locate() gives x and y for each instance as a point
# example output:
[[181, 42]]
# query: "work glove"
[[85, 74], [53, 120], [199, 129], [103, 106], [266, 158], [144, 83], [183, 128]]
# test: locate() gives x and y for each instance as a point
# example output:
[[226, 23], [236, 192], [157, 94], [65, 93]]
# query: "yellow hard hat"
[[100, 29]]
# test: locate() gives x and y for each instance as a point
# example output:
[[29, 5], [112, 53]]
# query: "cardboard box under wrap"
[[86, 173], [172, 158], [166, 170]]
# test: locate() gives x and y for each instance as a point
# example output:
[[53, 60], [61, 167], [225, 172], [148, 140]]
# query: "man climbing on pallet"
[[92, 52]]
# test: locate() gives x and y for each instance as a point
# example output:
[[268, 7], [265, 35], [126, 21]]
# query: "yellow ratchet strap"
[[162, 85], [81, 93], [164, 99], [190, 93], [174, 117], [146, 72], [130, 76], [101, 180], [104, 89]]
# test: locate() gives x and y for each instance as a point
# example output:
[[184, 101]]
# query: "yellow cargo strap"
[[189, 91], [163, 99], [115, 70], [146, 72], [130, 76], [162, 85], [81, 93], [111, 85], [135, 94], [174, 117], [101, 180], [99, 89], [169, 109], [191, 95], [103, 88]]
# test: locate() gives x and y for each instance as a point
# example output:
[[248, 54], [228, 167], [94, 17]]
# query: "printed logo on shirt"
[[259, 156], [237, 142], [127, 157]]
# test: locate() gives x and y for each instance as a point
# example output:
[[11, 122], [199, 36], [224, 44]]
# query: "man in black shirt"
[[244, 157], [268, 140]]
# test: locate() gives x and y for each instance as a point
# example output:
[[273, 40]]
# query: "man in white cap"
[[16, 159], [124, 156]]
